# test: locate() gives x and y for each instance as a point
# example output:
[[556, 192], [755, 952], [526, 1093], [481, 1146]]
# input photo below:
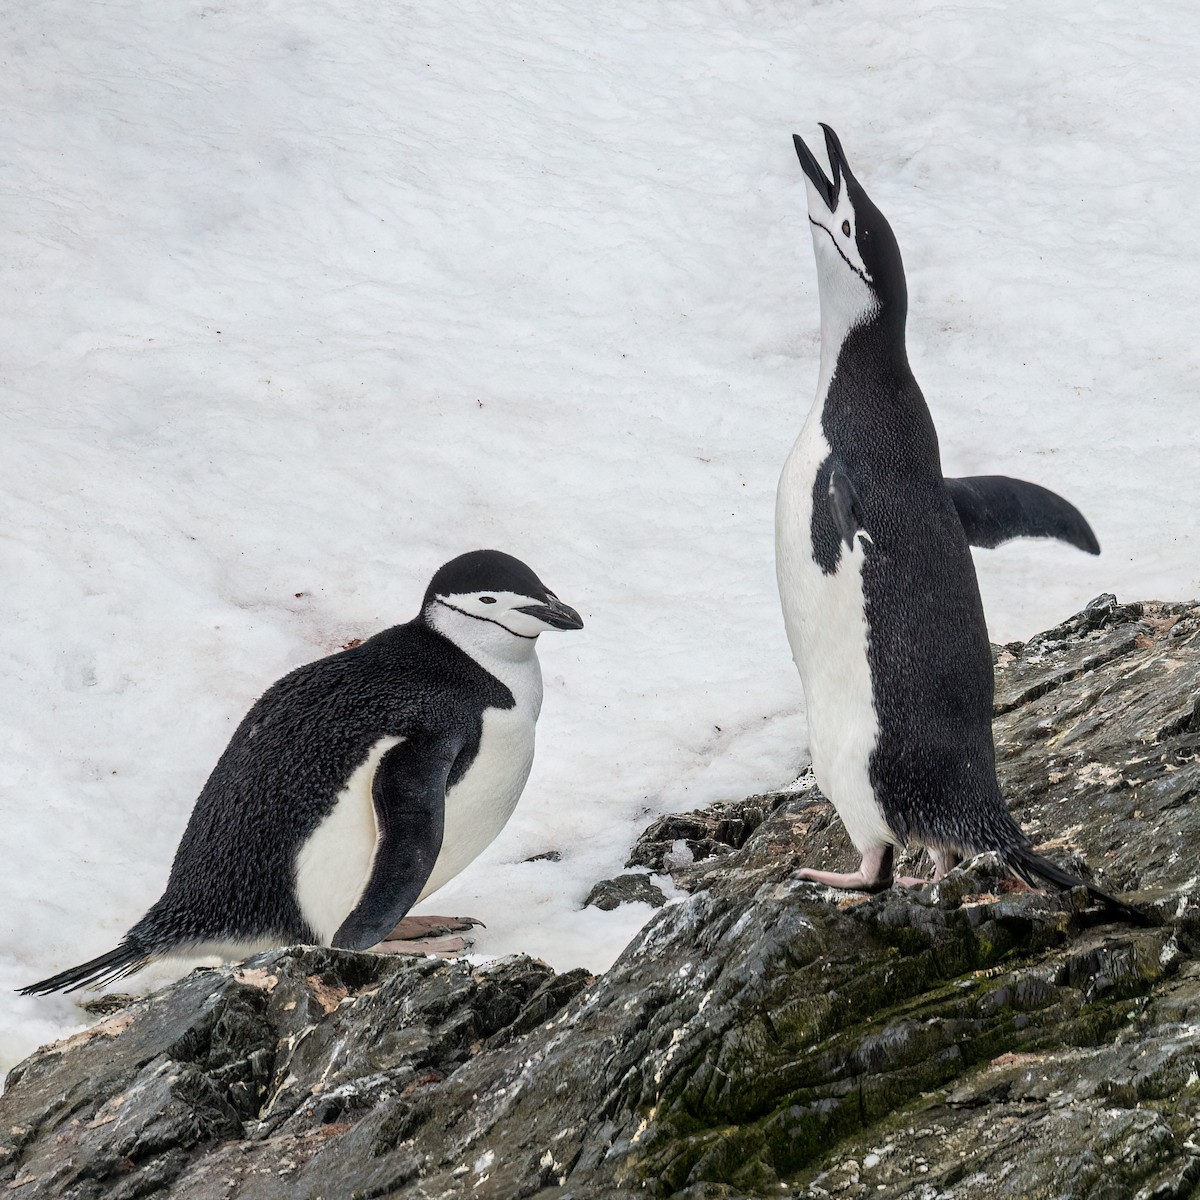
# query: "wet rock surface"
[[761, 1037]]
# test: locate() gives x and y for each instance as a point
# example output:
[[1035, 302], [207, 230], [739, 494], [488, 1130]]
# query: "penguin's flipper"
[[844, 505], [994, 509], [409, 791]]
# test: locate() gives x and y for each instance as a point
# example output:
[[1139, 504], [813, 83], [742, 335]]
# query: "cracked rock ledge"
[[762, 1037]]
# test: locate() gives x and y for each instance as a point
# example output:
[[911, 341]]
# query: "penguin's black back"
[[933, 768], [233, 874]]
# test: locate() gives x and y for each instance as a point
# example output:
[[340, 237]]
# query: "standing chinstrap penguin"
[[879, 593], [360, 783]]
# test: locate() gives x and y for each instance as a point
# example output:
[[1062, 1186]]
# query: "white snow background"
[[302, 299]]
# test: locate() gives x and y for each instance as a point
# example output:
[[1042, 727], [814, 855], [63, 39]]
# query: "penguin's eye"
[[487, 599], [846, 228]]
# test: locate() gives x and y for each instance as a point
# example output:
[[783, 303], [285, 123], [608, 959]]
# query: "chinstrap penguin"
[[879, 594], [360, 783]]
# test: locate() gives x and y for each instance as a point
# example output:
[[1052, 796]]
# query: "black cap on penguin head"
[[485, 571], [860, 232]]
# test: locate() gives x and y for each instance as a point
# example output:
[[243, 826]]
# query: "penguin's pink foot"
[[874, 873], [442, 947], [410, 929], [943, 861]]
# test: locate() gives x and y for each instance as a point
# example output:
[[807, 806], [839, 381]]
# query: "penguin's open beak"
[[828, 191], [555, 613]]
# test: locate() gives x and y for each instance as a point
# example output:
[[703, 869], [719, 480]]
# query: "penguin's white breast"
[[826, 622], [480, 803]]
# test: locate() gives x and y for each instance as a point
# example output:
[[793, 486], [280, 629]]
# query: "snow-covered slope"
[[301, 300]]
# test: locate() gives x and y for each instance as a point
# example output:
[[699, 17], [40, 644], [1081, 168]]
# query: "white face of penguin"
[[859, 268], [844, 282], [491, 604], [517, 614], [834, 234]]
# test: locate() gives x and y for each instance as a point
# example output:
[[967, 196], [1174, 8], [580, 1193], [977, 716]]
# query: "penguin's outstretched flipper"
[[97, 972], [1031, 867], [994, 509], [409, 794]]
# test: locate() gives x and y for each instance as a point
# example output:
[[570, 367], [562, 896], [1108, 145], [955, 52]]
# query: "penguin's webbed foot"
[[874, 873], [441, 947], [412, 929], [943, 861]]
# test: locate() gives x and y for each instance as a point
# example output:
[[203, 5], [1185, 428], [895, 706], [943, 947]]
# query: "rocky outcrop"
[[761, 1037], [625, 889]]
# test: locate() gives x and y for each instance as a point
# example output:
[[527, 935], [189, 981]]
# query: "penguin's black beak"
[[827, 190], [555, 613]]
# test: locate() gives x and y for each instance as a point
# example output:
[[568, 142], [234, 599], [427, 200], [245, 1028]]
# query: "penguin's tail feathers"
[[97, 972], [1032, 868]]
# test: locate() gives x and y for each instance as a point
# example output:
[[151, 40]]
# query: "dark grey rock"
[[106, 1005], [278, 1052], [763, 1037], [702, 834], [624, 889]]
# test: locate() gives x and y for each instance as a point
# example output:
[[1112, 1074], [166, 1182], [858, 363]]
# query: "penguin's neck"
[[853, 317], [510, 658], [867, 357], [870, 409]]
